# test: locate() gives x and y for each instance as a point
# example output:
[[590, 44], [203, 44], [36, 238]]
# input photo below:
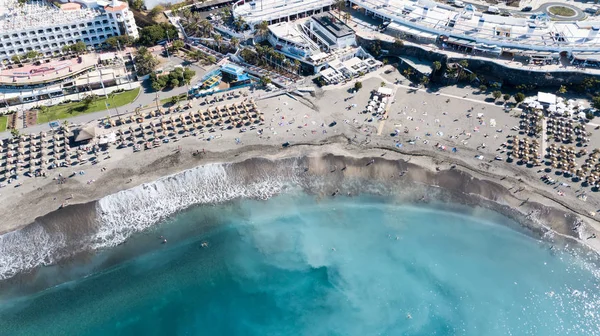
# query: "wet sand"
[[303, 122]]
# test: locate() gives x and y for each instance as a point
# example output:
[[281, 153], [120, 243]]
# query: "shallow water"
[[298, 265]]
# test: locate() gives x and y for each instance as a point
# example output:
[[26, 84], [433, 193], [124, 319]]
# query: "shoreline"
[[543, 218]]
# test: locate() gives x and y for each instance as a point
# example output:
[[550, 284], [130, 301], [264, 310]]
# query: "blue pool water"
[[300, 265]]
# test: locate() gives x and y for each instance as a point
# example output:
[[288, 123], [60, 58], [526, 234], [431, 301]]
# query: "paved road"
[[542, 9], [580, 15]]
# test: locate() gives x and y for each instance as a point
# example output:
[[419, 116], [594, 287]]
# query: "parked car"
[[527, 9]]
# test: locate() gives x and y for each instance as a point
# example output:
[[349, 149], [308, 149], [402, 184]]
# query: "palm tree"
[[262, 29], [197, 55], [205, 27], [346, 17], [235, 42], [218, 40], [340, 5], [297, 66]]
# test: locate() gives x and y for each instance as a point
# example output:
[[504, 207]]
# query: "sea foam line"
[[124, 213], [136, 209]]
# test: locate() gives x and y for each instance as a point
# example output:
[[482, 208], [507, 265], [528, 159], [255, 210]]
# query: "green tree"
[[235, 42], [519, 97], [240, 24], [408, 72], [112, 42], [346, 17], [156, 10], [174, 82], [262, 29], [15, 132], [424, 80], [145, 62], [375, 48], [496, 95], [88, 100], [596, 102], [197, 55], [16, 59], [589, 115], [472, 76], [211, 59], [506, 97], [249, 56], [398, 43], [32, 54], [137, 4], [218, 41], [151, 34], [177, 44], [437, 66], [43, 109], [125, 40], [562, 89], [482, 88], [78, 48], [358, 86], [188, 74], [264, 81], [340, 5], [382, 84], [156, 86], [175, 100]]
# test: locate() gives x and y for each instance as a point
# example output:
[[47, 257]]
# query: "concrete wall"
[[508, 75]]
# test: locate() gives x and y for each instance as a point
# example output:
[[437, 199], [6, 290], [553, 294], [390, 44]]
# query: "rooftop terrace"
[[333, 25]]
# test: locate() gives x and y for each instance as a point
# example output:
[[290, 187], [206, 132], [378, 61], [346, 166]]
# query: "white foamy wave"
[[136, 209], [28, 248]]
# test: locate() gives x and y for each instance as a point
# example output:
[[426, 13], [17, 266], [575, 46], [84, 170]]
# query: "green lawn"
[[3, 122], [68, 110], [182, 97]]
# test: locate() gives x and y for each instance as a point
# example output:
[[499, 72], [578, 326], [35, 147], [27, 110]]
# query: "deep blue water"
[[298, 265]]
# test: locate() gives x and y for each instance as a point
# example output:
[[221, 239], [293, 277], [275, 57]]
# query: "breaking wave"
[[111, 220]]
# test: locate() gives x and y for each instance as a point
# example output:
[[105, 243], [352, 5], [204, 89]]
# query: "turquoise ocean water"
[[298, 265]]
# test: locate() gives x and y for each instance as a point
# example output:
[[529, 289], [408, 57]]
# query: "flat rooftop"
[[268, 10], [31, 74], [333, 25], [528, 33], [16, 17]]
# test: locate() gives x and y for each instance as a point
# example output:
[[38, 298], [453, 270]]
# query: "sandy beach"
[[441, 140]]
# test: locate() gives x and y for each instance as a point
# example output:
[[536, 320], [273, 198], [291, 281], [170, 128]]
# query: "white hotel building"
[[275, 11], [44, 27]]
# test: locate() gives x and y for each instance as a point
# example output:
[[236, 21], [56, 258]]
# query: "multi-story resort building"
[[318, 42], [537, 37], [275, 11], [468, 30], [46, 27]]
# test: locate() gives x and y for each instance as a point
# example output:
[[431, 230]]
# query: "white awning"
[[385, 91]]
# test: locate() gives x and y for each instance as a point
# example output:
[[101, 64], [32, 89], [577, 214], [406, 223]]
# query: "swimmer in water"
[[164, 241], [408, 316]]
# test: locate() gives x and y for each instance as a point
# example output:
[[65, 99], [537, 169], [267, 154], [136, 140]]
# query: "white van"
[[493, 10], [459, 4]]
